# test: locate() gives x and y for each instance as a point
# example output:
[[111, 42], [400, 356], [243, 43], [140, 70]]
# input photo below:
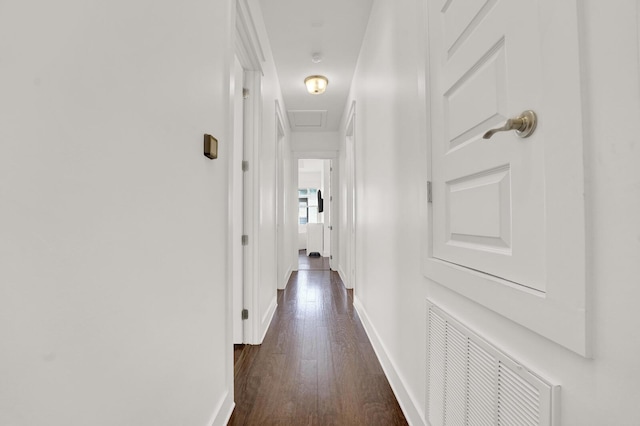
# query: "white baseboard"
[[343, 277], [267, 318], [411, 409], [223, 411], [283, 285]]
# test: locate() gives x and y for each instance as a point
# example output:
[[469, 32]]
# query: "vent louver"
[[470, 382]]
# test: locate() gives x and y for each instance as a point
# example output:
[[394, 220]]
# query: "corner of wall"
[[412, 410]]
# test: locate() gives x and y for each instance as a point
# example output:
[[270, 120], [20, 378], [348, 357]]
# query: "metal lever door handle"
[[524, 125]]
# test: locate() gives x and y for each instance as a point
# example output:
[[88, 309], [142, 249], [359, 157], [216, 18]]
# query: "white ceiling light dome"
[[316, 84]]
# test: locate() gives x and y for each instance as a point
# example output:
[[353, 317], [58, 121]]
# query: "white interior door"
[[508, 223], [490, 62], [237, 204]]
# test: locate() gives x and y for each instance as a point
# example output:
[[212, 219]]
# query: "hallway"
[[309, 263], [316, 365], [151, 198]]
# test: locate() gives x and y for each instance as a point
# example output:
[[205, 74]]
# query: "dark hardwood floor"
[[316, 365], [309, 263]]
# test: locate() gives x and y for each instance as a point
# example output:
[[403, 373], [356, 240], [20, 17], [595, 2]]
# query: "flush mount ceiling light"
[[316, 84]]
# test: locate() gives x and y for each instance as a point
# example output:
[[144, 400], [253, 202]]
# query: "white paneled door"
[[490, 61]]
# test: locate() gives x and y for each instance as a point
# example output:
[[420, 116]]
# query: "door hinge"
[[330, 257], [330, 197], [245, 93], [245, 314], [429, 192], [245, 240], [245, 166]]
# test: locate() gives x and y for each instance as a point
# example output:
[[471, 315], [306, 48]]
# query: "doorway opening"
[[314, 214]]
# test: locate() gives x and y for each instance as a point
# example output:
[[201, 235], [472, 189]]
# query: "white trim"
[[223, 411], [295, 260], [638, 34], [343, 277], [334, 247], [557, 321], [248, 47], [315, 155], [284, 260], [320, 155], [267, 318], [351, 179], [253, 134], [408, 403], [251, 56], [287, 276]]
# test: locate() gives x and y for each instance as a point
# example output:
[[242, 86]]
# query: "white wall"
[[390, 290], [315, 141], [310, 179], [390, 162], [113, 226], [266, 273]]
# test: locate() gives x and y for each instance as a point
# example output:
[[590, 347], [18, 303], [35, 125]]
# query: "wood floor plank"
[[316, 365]]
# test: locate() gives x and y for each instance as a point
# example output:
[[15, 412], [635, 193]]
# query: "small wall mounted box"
[[210, 147]]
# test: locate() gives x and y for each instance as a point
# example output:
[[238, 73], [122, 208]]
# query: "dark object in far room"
[[314, 254], [320, 202]]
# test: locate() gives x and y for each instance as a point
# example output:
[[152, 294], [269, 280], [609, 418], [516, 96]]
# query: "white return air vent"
[[470, 382], [307, 119]]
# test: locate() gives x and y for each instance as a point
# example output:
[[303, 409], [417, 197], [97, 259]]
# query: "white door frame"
[[281, 202], [350, 172], [250, 55], [314, 155], [335, 221], [236, 201]]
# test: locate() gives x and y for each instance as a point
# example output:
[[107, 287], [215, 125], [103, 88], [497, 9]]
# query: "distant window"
[[307, 205], [303, 211]]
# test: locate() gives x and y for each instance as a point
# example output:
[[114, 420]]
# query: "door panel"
[[488, 194], [477, 100], [480, 211], [460, 18], [507, 220]]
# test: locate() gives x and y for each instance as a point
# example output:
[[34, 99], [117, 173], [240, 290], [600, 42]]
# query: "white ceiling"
[[299, 28]]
